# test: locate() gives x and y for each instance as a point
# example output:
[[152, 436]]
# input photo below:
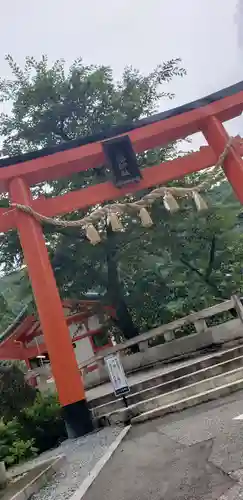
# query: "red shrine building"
[[24, 339]]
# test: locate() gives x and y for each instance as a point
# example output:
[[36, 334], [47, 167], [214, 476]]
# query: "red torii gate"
[[17, 174]]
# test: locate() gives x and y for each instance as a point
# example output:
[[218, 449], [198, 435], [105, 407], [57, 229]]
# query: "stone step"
[[174, 396], [169, 386], [172, 373], [194, 400]]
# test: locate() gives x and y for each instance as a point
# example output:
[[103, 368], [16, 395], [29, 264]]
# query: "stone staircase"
[[201, 380]]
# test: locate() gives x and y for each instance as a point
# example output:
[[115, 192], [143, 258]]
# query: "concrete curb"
[[80, 492], [40, 480]]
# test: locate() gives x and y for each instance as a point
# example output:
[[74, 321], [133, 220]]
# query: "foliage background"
[[185, 262]]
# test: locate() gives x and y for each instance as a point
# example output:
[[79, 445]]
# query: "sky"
[[206, 34]]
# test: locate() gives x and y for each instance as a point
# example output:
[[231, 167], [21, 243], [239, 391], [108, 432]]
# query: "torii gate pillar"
[[217, 138], [58, 341]]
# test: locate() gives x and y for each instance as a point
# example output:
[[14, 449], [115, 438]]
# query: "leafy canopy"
[[185, 261]]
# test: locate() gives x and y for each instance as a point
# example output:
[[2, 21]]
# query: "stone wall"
[[183, 347]]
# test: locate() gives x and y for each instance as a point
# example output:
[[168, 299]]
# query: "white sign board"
[[117, 374]]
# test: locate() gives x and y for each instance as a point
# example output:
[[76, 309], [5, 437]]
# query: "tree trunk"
[[115, 293]]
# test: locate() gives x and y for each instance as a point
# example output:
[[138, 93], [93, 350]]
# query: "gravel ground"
[[82, 454]]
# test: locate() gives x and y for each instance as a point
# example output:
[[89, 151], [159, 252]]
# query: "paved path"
[[194, 455]]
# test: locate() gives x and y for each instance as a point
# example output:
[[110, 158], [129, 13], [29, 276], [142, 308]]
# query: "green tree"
[[49, 106], [185, 262], [16, 393]]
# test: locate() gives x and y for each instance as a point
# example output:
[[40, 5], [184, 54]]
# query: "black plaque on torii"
[[121, 160]]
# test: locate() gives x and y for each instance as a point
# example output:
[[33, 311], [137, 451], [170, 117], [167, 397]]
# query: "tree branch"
[[60, 132], [203, 277]]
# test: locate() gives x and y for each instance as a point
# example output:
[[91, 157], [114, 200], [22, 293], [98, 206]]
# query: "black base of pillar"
[[78, 419]]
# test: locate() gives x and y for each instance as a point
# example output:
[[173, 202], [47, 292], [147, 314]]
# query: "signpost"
[[117, 375]]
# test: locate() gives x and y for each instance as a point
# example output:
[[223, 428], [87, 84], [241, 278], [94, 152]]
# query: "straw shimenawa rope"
[[111, 212]]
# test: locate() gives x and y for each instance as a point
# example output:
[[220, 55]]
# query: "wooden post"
[[3, 476], [57, 338], [200, 325], [238, 307], [143, 346], [169, 336]]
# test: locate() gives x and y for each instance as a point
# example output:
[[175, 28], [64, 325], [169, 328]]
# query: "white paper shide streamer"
[[92, 234], [199, 201], [170, 202], [145, 217], [115, 222]]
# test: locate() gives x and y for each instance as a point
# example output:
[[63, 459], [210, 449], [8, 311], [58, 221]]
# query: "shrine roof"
[[16, 298], [124, 128], [24, 322]]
